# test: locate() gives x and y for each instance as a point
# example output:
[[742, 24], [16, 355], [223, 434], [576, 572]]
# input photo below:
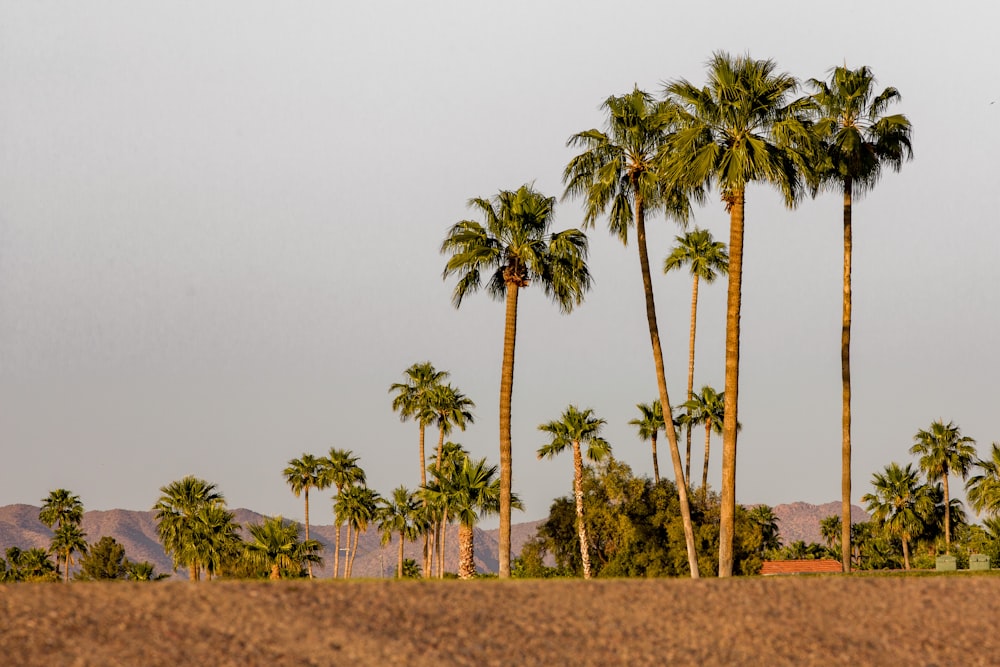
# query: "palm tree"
[[515, 247], [618, 172], [829, 530], [396, 516], [275, 546], [449, 408], [216, 542], [900, 504], [650, 423], [766, 520], [444, 468], [67, 539], [707, 259], [340, 469], [572, 429], [303, 474], [412, 401], [857, 141], [61, 509], [983, 490], [944, 451], [733, 132], [707, 407], [175, 511], [357, 506]]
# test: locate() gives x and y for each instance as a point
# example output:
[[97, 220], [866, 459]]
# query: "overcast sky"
[[220, 222]]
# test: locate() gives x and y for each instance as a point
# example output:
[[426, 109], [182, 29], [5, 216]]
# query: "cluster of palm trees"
[[745, 126], [910, 508]]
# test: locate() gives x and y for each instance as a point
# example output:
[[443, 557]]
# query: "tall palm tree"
[[450, 408], [175, 511], [944, 451], [734, 132], [340, 469], [857, 143], [706, 259], [358, 507], [573, 428], [443, 469], [983, 490], [707, 407], [62, 509], [619, 172], [649, 424], [275, 545], [514, 246], [396, 516], [900, 504], [412, 401], [301, 475]]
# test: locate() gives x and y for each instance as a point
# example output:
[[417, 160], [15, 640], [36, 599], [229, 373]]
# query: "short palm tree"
[[301, 475], [412, 401], [217, 543], [396, 516], [766, 520], [983, 490], [574, 428], [61, 509], [900, 504], [708, 408], [513, 247], [341, 469], [275, 545], [175, 511], [706, 259], [733, 132], [857, 141], [619, 173], [649, 424], [944, 451]]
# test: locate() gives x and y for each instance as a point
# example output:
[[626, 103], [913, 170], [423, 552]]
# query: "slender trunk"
[[336, 551], [466, 552], [906, 553], [440, 452], [428, 545], [581, 526], [347, 556], [690, 394], [947, 516], [309, 564], [423, 461], [654, 338], [708, 444], [66, 572], [193, 569], [442, 539], [506, 392], [845, 380], [656, 462], [354, 552], [275, 571], [727, 518], [399, 558]]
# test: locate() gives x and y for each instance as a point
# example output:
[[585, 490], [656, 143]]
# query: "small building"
[[821, 566]]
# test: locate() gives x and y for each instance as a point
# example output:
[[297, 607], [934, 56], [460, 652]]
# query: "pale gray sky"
[[219, 232]]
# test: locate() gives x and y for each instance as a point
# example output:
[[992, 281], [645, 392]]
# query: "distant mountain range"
[[136, 531]]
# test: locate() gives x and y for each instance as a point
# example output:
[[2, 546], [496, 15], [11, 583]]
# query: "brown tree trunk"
[[336, 551], [656, 462], [845, 381], [906, 553], [442, 540], [654, 338], [708, 444], [690, 394], [727, 523], [193, 570], [581, 526], [506, 392], [354, 552], [399, 558], [423, 461], [466, 552], [947, 515], [275, 572], [309, 565], [347, 556]]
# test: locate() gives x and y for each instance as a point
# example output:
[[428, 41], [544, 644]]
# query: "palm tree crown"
[[983, 490], [177, 526], [649, 424], [900, 503], [944, 451], [302, 474]]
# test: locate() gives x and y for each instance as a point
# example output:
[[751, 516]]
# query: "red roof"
[[800, 566]]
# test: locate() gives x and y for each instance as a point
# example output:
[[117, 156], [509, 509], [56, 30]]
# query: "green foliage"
[[105, 560], [277, 551], [31, 565], [411, 569]]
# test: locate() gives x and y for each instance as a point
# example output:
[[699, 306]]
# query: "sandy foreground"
[[831, 620]]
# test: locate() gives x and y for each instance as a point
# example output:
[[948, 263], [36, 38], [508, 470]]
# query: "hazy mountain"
[[136, 531]]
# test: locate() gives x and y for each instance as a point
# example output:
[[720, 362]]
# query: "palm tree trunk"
[[654, 338], [309, 564], [727, 520], [423, 461], [347, 556], [690, 394], [466, 552], [845, 380], [66, 569], [947, 516], [708, 444], [428, 547], [336, 551], [193, 570], [275, 572], [399, 558], [906, 554], [656, 462], [581, 527], [441, 540], [506, 392], [354, 552]]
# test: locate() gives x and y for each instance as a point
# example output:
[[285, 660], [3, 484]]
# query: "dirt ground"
[[832, 620]]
